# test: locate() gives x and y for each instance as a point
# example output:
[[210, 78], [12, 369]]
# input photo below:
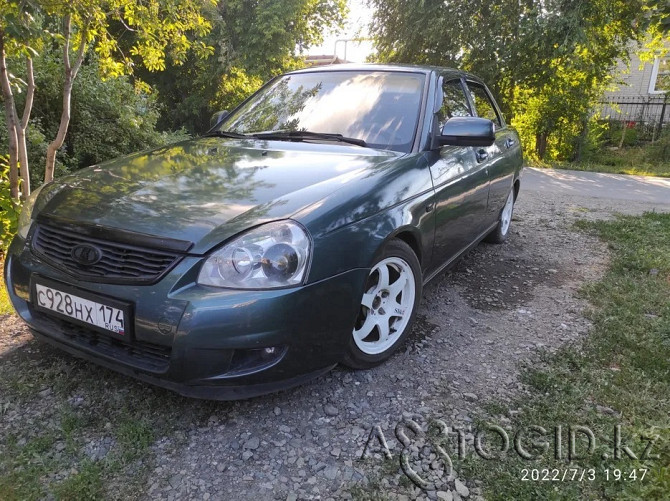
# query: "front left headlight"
[[26, 215], [271, 256]]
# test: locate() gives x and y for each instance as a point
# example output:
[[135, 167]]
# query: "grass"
[[51, 460], [86, 484], [620, 375], [629, 160]]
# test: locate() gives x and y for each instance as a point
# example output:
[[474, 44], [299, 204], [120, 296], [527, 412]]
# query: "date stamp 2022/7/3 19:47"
[[582, 474], [564, 453]]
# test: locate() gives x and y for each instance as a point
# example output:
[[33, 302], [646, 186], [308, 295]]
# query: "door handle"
[[509, 142], [481, 154]]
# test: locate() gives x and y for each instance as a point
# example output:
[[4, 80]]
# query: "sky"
[[355, 26]]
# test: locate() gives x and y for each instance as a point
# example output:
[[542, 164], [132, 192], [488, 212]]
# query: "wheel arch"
[[407, 234], [410, 237], [517, 187]]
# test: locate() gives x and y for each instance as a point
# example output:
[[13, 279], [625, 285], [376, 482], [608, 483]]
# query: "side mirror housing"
[[217, 117], [466, 131]]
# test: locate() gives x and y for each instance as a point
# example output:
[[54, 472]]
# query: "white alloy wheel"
[[386, 307], [506, 217]]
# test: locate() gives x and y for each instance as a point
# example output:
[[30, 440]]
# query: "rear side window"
[[454, 102], [483, 103]]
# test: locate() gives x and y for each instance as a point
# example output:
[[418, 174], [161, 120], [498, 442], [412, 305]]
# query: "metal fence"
[[648, 115]]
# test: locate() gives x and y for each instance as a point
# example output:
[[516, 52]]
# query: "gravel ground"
[[500, 306]]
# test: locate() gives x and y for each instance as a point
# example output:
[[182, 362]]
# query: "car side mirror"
[[218, 117], [466, 131]]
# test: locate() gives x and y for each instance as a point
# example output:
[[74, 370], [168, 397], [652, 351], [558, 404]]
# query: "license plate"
[[104, 314]]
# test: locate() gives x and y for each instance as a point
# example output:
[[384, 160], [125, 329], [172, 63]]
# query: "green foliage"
[[128, 34], [235, 86], [5, 303], [253, 41], [597, 132], [262, 36], [601, 151], [109, 117], [135, 436], [613, 160], [660, 150], [658, 14], [624, 136], [546, 61], [9, 210], [122, 34], [22, 32]]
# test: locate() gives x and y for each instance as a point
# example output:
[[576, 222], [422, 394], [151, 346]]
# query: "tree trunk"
[[540, 144], [10, 114], [70, 75], [623, 134], [55, 145], [581, 140], [21, 131]]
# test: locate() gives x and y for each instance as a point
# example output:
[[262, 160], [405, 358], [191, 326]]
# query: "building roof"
[[323, 60]]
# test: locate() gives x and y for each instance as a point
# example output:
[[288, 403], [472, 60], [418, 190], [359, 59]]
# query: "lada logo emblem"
[[86, 254]]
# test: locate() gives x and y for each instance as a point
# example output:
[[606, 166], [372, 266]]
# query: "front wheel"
[[499, 234], [388, 307]]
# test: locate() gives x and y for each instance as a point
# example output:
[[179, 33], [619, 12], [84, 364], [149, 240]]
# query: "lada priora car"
[[297, 234]]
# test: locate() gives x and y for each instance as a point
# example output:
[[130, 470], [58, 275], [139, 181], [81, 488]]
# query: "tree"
[[109, 117], [547, 59], [17, 34], [158, 30], [253, 40]]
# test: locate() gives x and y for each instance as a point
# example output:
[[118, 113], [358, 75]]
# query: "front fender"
[[356, 245]]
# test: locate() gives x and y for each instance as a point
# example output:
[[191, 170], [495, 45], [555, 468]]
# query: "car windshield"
[[378, 107]]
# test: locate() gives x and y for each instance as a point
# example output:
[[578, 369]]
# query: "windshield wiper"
[[226, 133], [301, 135]]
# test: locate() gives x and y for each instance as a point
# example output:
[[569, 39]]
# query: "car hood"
[[206, 190]]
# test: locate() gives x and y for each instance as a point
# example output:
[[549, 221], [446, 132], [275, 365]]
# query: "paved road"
[[652, 190]]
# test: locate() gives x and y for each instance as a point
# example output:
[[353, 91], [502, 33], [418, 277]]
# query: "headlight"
[[25, 217], [271, 256]]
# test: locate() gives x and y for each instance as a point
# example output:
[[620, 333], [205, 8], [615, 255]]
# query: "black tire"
[[354, 357], [501, 231]]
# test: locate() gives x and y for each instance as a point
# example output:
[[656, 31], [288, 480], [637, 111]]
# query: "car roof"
[[445, 72]]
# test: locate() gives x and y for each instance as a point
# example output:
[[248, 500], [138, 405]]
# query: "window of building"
[[660, 76]]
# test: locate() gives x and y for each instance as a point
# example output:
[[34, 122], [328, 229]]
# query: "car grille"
[[119, 263], [142, 355]]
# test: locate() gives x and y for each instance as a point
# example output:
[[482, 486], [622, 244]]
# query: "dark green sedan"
[[297, 234]]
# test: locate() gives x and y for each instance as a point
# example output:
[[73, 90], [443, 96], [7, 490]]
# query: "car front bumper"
[[202, 341]]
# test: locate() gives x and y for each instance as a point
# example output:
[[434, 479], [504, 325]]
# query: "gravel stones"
[[498, 307]]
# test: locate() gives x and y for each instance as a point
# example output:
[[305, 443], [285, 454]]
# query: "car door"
[[460, 180], [500, 156]]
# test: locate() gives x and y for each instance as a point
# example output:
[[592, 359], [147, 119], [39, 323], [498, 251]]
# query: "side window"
[[454, 102], [483, 104]]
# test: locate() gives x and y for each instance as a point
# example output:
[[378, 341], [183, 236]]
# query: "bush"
[[660, 150], [630, 136], [109, 118], [9, 211]]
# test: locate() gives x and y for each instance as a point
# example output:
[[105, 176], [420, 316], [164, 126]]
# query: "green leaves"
[[9, 210], [546, 60], [250, 41]]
